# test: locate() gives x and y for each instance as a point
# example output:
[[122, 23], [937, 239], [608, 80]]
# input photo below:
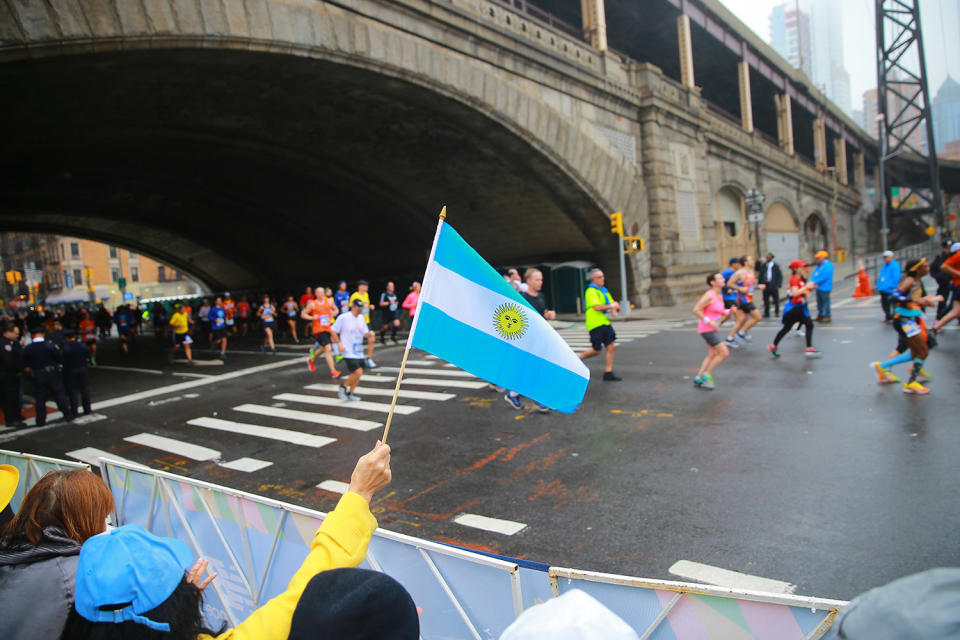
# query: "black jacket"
[[776, 281], [11, 357]]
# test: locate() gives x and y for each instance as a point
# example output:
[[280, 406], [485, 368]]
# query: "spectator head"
[[596, 276], [76, 501], [534, 280], [887, 256], [513, 273], [820, 256], [10, 330], [354, 604], [573, 616], [770, 256]]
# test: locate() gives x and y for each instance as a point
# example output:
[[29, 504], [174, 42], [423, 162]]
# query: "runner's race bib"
[[911, 329], [324, 320]]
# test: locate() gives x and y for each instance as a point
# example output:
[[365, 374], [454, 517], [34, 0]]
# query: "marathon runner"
[[600, 308], [362, 294], [389, 314], [180, 322], [243, 315], [230, 308], [268, 315], [320, 312], [795, 310], [711, 310], [350, 329], [306, 297], [951, 267], [123, 318], [218, 327], [342, 297], [88, 335], [729, 295], [291, 310], [744, 282]]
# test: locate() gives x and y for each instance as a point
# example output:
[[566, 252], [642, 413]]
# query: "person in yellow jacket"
[[132, 584]]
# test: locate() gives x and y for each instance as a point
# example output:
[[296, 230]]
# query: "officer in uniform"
[[76, 378], [44, 360], [11, 365]]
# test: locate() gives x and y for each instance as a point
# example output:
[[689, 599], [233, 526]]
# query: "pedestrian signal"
[[633, 244], [13, 276], [616, 223]]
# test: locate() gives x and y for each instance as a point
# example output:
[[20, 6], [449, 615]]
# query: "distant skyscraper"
[[829, 72], [790, 36], [946, 114]]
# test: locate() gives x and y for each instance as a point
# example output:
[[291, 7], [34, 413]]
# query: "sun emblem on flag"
[[510, 321]]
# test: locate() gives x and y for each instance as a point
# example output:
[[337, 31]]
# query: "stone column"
[[784, 122], [859, 170], [686, 51], [746, 98], [820, 144], [840, 153], [594, 23]]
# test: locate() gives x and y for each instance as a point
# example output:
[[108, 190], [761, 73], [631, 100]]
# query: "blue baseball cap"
[[127, 572]]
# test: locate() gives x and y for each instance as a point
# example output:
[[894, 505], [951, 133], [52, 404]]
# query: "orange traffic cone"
[[863, 290]]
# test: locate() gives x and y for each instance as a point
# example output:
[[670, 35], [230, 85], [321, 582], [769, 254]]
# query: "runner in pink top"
[[709, 309], [410, 302]]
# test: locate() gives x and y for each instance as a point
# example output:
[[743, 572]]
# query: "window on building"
[[77, 277], [113, 252], [161, 273], [134, 274], [63, 252], [131, 255], [179, 275], [74, 249], [114, 274]]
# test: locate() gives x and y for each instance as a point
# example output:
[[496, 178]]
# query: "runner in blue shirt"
[[218, 326]]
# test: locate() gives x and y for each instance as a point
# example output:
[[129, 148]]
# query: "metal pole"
[[624, 301], [881, 122], [756, 233]]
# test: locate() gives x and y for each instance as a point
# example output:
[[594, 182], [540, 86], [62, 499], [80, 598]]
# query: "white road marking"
[[177, 447], [402, 409], [155, 403], [247, 465], [200, 363], [260, 431], [88, 418], [422, 361], [506, 527], [727, 578], [407, 394], [92, 456], [155, 372], [413, 371], [184, 374], [430, 382], [333, 486], [230, 352], [308, 416]]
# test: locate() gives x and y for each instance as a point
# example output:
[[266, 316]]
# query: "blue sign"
[[127, 296]]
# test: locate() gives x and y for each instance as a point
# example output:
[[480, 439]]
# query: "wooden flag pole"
[[403, 364]]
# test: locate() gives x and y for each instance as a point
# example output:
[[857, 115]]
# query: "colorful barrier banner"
[[31, 469]]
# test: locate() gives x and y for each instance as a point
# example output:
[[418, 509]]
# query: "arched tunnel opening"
[[251, 169]]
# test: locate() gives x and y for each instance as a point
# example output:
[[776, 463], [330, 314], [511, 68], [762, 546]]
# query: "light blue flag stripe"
[[458, 256], [501, 363]]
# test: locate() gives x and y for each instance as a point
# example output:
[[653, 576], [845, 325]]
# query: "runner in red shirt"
[[320, 312], [951, 266], [88, 335], [243, 313]]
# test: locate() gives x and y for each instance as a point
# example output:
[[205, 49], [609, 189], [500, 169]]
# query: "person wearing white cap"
[[951, 267], [887, 282]]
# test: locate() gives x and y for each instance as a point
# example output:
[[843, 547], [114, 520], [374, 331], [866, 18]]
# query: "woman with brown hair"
[[39, 550]]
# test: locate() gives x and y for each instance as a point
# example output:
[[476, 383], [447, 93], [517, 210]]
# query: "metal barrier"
[[31, 469], [926, 249]]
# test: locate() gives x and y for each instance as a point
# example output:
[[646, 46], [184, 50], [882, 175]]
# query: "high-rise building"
[[829, 72], [945, 110], [790, 35]]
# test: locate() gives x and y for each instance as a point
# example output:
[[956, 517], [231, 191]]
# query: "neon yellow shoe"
[[923, 375], [884, 376], [915, 388]]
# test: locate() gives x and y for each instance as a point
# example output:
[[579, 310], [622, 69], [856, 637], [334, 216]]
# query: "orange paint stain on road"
[[537, 465], [559, 490], [520, 447]]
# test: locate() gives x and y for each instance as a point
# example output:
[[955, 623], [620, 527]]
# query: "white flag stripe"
[[432, 382], [406, 394], [259, 431], [402, 409], [247, 465], [177, 447], [309, 416], [474, 305], [413, 371]]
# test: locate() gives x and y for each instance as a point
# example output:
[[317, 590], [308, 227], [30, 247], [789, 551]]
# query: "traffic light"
[[87, 274], [616, 223], [10, 277], [14, 276], [634, 244]]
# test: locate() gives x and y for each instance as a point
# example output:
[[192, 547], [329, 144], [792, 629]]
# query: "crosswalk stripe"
[[177, 447], [334, 486], [506, 527], [406, 394], [431, 382], [91, 456], [247, 465], [402, 409], [422, 361], [260, 431], [309, 416], [413, 371]]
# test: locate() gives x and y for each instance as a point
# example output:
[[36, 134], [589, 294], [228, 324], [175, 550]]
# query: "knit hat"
[[124, 573], [821, 254], [9, 478], [354, 604]]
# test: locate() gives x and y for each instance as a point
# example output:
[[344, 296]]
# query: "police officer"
[[76, 378], [11, 365], [43, 360]]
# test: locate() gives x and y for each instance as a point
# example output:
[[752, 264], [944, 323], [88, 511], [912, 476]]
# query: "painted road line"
[[155, 372], [430, 382], [92, 456], [413, 371], [866, 302], [200, 363], [406, 394], [191, 375], [402, 409], [726, 578], [333, 486], [423, 361], [506, 527], [247, 465], [177, 447], [261, 353], [309, 416], [260, 431]]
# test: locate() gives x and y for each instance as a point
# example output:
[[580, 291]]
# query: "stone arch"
[[781, 231], [733, 233], [815, 233]]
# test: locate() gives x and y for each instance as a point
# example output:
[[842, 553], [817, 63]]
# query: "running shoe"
[[707, 382], [296, 341], [311, 365], [697, 381], [542, 408], [335, 373], [610, 376], [369, 363], [884, 376], [513, 401], [746, 337], [352, 397], [812, 352], [924, 375], [741, 337], [772, 348], [731, 343], [916, 388], [342, 392], [223, 355], [338, 357], [801, 332], [93, 361], [274, 351], [263, 348]]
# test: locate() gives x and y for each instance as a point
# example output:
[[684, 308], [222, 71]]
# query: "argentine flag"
[[470, 316]]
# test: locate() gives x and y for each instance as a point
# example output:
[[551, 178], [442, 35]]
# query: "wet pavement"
[[799, 470]]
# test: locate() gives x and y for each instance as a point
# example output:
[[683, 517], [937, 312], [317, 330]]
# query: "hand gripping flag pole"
[[413, 326]]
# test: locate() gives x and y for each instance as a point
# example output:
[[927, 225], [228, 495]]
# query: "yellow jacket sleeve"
[[341, 541]]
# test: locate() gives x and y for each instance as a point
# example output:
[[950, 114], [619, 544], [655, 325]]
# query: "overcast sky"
[[941, 34]]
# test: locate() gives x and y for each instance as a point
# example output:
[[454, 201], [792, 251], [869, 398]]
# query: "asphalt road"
[[797, 470]]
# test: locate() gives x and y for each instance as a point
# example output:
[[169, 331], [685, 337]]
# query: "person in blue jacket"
[[823, 277], [887, 283]]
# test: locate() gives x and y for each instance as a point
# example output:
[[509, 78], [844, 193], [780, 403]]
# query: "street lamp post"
[[755, 201]]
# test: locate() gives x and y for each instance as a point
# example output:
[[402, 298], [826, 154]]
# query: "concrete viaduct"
[[257, 142]]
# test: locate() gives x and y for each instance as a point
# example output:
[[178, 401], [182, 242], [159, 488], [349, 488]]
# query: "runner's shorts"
[[712, 338], [747, 307], [602, 336], [729, 303], [219, 334], [353, 364], [181, 338], [322, 338]]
